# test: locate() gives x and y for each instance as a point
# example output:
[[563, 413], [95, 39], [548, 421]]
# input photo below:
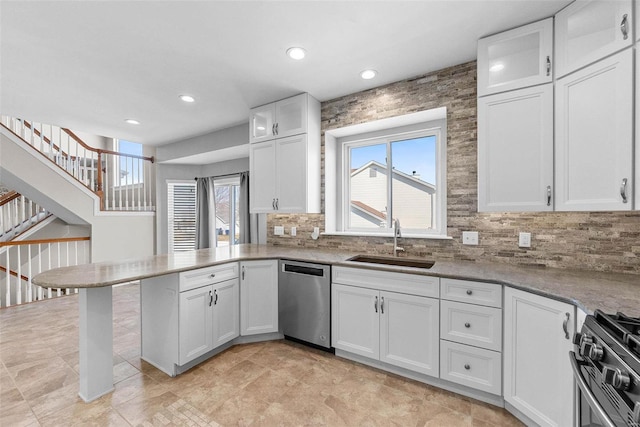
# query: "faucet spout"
[[396, 234]]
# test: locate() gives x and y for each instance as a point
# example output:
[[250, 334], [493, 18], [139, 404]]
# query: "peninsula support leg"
[[96, 342]]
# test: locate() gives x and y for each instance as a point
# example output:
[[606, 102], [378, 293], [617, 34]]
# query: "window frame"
[[387, 140], [396, 128]]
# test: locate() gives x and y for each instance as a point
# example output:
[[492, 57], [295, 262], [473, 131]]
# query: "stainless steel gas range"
[[607, 370]]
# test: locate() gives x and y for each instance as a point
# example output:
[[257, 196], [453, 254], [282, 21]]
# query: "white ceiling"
[[89, 65]]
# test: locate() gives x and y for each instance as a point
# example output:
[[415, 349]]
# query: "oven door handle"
[[588, 395]]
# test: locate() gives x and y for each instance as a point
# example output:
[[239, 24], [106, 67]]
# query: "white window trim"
[[334, 168]]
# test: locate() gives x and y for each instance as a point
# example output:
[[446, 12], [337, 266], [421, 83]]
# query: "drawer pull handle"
[[469, 292], [467, 366], [467, 325]]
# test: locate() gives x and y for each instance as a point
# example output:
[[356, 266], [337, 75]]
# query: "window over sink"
[[391, 169]]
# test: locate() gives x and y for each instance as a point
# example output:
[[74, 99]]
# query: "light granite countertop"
[[589, 290]]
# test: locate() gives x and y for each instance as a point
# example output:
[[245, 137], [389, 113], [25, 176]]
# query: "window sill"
[[389, 235]]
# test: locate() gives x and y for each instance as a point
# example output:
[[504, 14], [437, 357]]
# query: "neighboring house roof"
[[368, 209], [412, 179]]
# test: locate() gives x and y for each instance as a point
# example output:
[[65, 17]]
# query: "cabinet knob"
[[467, 325], [469, 292], [467, 366], [212, 275]]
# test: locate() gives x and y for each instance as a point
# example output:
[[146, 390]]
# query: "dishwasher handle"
[[302, 269]]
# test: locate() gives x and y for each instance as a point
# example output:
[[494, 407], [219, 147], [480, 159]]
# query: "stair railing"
[[124, 182], [17, 214], [22, 260]]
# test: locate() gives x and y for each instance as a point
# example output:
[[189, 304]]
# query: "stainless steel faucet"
[[396, 235]]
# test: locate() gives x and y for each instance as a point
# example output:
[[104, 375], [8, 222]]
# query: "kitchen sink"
[[400, 262]]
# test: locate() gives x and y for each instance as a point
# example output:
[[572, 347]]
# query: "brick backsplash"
[[606, 241]]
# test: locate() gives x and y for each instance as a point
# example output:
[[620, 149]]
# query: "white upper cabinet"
[[515, 150], [586, 31], [594, 136], [262, 123], [515, 59], [280, 119]]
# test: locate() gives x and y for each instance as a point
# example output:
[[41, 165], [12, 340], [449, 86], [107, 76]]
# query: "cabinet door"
[[537, 374], [258, 297], [355, 323], [515, 59], [262, 123], [262, 158], [409, 332], [291, 116], [291, 175], [226, 312], [594, 138], [515, 150], [196, 319], [587, 31]]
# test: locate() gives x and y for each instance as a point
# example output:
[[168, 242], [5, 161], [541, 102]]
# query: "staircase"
[[123, 182], [110, 195], [18, 214]]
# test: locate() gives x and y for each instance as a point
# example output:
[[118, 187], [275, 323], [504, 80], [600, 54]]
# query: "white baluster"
[[30, 286], [8, 279], [40, 289], [49, 291], [18, 277]]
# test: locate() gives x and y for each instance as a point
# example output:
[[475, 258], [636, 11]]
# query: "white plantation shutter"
[[181, 202]]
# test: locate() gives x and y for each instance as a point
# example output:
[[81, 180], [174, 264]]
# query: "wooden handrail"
[[103, 151], [40, 241], [45, 139], [14, 274], [7, 197]]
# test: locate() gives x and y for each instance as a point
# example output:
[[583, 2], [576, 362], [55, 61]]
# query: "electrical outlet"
[[278, 230], [293, 231], [469, 237], [524, 240]]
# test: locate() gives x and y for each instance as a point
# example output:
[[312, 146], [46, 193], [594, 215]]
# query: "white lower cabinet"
[[196, 323], [538, 380], [181, 322], [392, 327], [209, 317], [258, 297]]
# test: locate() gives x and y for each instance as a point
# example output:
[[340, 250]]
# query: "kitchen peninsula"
[[588, 290]]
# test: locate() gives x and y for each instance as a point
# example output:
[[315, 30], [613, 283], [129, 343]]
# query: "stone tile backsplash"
[[605, 241]]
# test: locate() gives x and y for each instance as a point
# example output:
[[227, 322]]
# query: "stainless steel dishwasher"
[[304, 302]]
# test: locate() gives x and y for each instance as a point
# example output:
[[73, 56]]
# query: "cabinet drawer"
[[481, 293], [207, 276], [471, 366], [471, 324], [412, 284]]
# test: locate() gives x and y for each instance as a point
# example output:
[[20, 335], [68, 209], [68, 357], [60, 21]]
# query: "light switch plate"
[[524, 240], [278, 230], [469, 237]]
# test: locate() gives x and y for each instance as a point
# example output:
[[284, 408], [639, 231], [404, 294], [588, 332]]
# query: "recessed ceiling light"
[[132, 121], [498, 66], [296, 53], [368, 74], [187, 98]]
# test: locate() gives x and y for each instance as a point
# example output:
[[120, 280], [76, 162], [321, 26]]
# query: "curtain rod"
[[222, 176]]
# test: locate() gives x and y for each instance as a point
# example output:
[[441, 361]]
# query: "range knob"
[[596, 352], [616, 378], [579, 338]]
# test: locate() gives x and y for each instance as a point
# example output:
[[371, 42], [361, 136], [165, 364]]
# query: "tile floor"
[[267, 384]]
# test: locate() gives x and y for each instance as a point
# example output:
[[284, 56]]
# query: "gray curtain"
[[245, 217], [205, 214]]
